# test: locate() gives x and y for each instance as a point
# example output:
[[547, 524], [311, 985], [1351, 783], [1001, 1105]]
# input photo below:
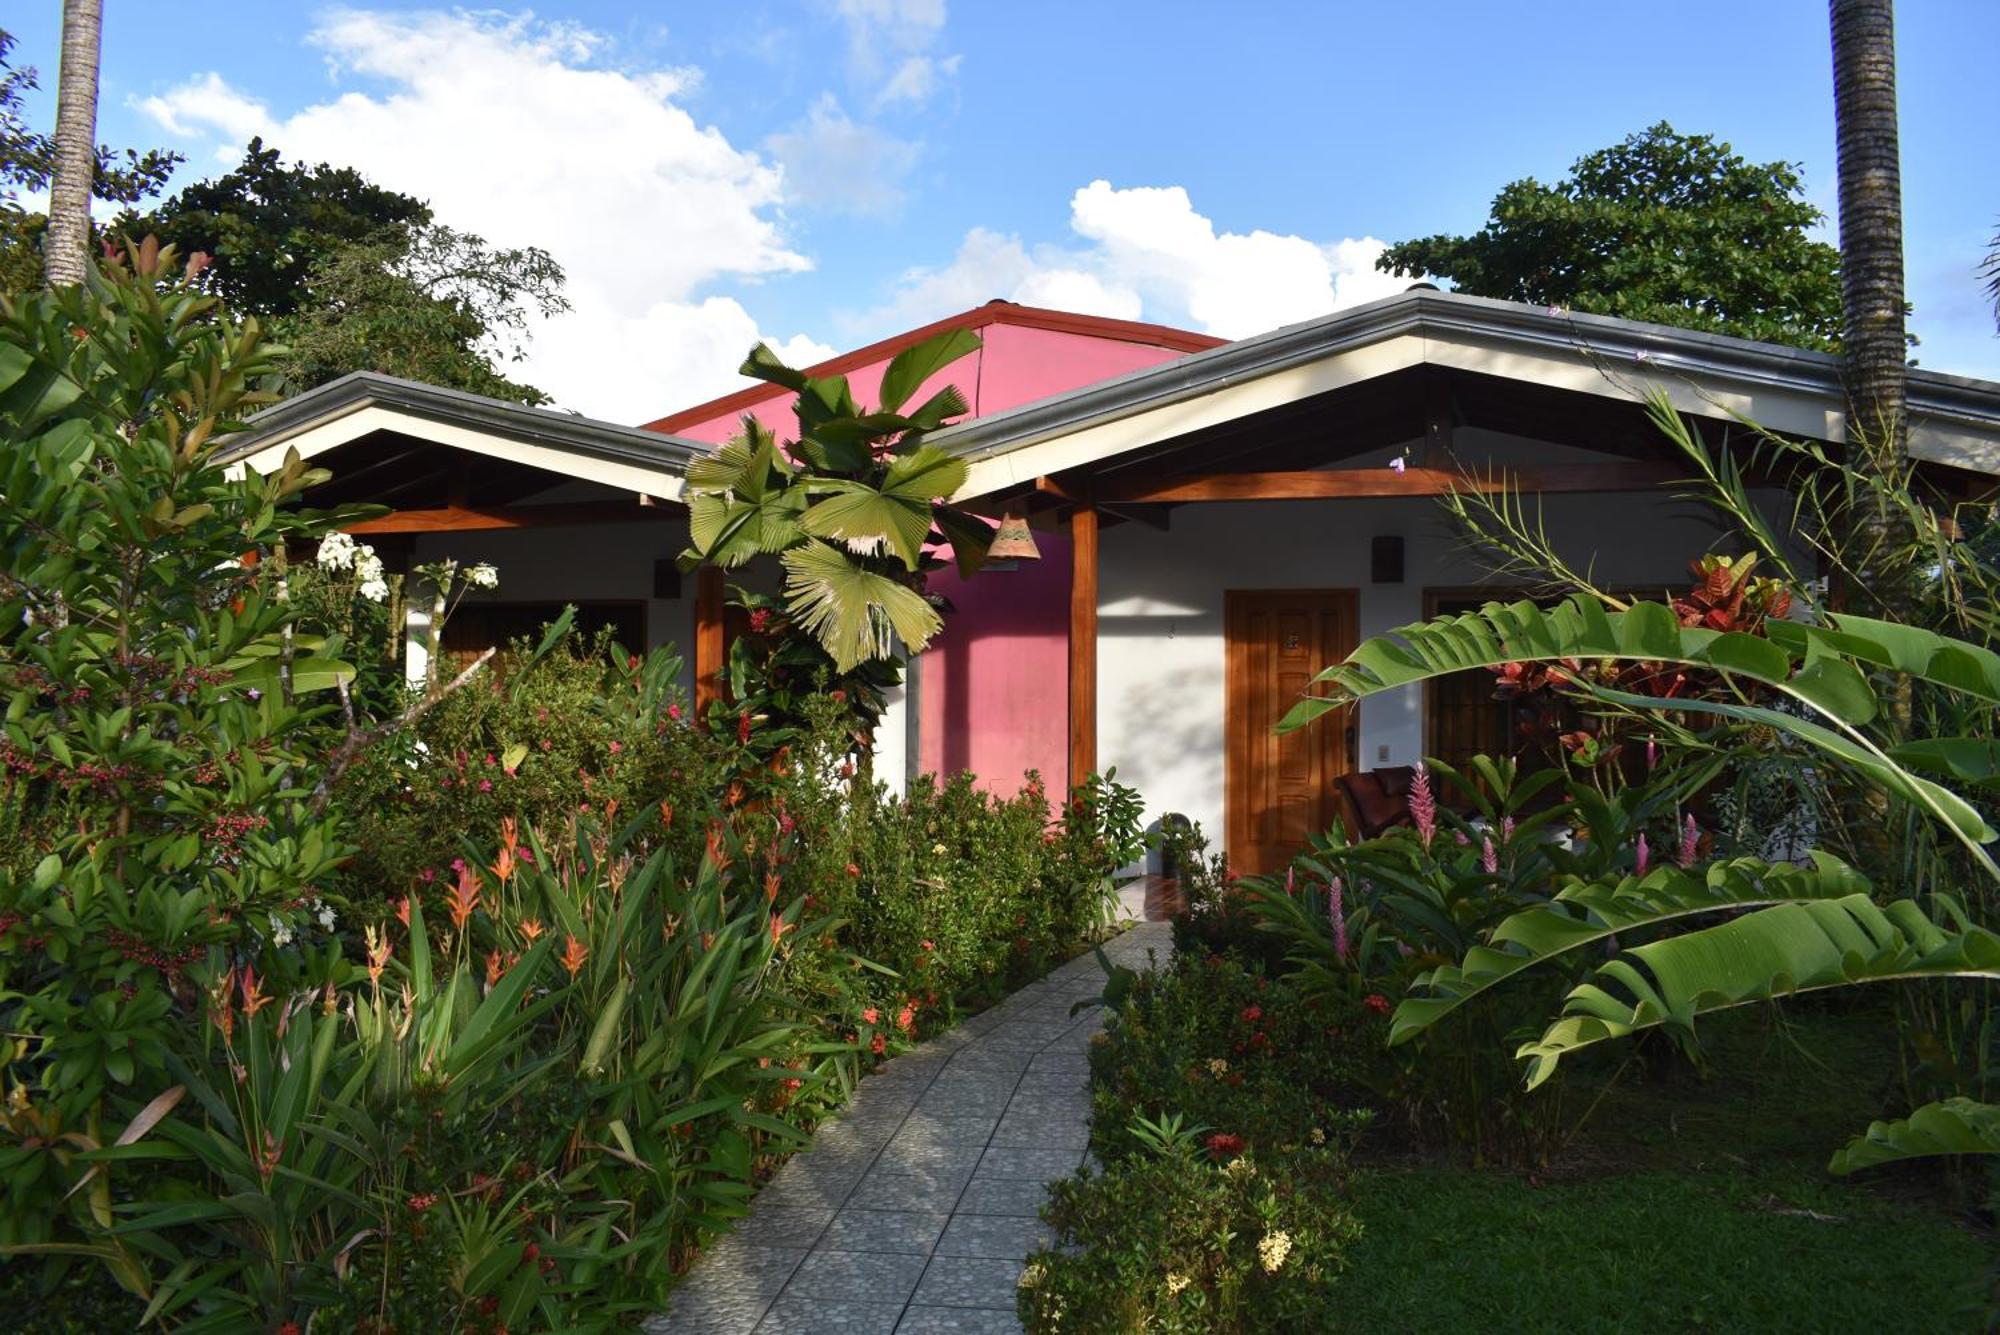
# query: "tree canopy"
[[1666, 227], [352, 276]]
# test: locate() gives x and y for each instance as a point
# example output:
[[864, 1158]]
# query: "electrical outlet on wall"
[[1381, 755]]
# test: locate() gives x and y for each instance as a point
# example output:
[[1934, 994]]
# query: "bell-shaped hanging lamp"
[[1013, 541]]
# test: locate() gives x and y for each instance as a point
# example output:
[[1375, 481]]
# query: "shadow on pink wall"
[[995, 685]]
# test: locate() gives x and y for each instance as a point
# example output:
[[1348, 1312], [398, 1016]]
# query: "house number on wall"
[[1293, 642]]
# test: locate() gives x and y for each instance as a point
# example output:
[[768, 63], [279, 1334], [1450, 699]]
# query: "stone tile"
[[1002, 1195], [802, 1185], [952, 1098], [1032, 1128], [1052, 1084], [982, 1060], [1007, 1237], [782, 1226], [1052, 1109], [926, 1127], [933, 1191], [966, 1281], [856, 1277], [1067, 1062], [1028, 1162], [1031, 1034], [959, 1321], [817, 1316], [894, 1231], [872, 1102], [921, 1154], [743, 1270]]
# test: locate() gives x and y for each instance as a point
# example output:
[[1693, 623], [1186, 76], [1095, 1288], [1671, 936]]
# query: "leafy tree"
[[264, 225], [27, 161], [426, 303], [353, 276], [1672, 228]]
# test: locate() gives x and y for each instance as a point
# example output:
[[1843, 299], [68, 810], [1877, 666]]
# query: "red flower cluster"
[[1223, 1145]]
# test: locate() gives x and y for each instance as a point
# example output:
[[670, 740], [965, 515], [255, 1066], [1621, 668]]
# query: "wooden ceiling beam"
[[1359, 483], [465, 518]]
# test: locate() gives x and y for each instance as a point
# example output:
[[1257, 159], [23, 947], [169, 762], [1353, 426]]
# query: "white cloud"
[[507, 130], [1149, 254], [891, 49], [834, 163]]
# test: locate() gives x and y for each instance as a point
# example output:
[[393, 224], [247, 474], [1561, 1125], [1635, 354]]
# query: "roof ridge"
[[997, 311]]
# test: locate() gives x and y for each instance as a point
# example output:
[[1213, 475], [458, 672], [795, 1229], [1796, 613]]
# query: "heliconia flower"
[[403, 912], [532, 929], [254, 999], [1690, 842], [1640, 857], [1489, 857], [574, 954], [503, 865], [771, 883], [492, 967], [779, 927], [378, 953], [510, 834], [464, 897], [1336, 911], [1423, 806]]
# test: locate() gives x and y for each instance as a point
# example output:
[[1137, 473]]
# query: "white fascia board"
[[326, 435], [1132, 431]]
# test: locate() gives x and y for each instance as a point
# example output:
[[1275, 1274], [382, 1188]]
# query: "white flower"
[[281, 935], [1273, 1250], [1175, 1283], [937, 850], [326, 916], [336, 551], [482, 576], [374, 590]]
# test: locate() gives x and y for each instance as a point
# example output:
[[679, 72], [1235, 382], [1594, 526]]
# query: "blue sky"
[[822, 172]]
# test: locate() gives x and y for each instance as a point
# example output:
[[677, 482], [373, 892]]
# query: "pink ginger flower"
[[1489, 857], [1506, 829], [1652, 753], [1423, 806], [1640, 857], [1336, 912], [1690, 843]]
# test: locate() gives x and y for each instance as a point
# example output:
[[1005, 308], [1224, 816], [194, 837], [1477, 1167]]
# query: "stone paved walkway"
[[915, 1210]]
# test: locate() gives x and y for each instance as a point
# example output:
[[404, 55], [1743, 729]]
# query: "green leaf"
[[1773, 952], [1953, 1126], [852, 611], [912, 366], [899, 512]]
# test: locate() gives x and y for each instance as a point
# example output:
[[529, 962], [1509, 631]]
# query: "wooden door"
[[1281, 789]]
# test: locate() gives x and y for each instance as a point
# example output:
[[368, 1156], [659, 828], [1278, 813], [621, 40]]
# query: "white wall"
[[1160, 613]]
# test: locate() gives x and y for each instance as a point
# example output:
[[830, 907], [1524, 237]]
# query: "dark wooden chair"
[[1376, 800]]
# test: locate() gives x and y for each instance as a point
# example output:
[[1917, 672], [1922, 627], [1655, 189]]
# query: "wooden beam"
[[1359, 483], [708, 598], [466, 518], [1082, 644]]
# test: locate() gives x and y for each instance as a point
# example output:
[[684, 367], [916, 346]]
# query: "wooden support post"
[[708, 595], [1082, 644]]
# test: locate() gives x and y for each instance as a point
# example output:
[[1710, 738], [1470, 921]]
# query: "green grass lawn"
[[1687, 1203]]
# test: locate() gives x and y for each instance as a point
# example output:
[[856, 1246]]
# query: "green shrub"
[[1176, 1242], [538, 737], [1238, 1054]]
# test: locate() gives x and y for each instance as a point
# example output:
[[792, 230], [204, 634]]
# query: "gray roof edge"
[[546, 426], [1607, 338]]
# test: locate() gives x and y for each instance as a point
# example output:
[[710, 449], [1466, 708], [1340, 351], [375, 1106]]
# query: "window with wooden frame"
[[1464, 716], [474, 628]]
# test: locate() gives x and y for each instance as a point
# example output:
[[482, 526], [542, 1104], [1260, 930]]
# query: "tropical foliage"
[[1673, 228], [852, 507]]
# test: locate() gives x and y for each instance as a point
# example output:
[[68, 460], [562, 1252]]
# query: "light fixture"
[[1013, 541]]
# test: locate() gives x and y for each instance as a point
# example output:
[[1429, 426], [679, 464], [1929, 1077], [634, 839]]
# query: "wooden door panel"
[[1281, 789]]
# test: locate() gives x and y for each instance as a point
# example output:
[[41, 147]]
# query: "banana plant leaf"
[[1774, 952], [1585, 914], [1953, 1126]]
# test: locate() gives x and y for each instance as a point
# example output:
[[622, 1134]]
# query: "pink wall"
[[996, 683]]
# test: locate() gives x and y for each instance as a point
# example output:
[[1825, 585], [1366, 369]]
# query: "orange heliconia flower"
[[510, 836], [532, 929], [666, 813], [779, 927], [771, 883], [503, 865], [254, 999], [611, 811], [492, 967], [718, 856], [403, 912], [378, 954], [573, 956], [220, 1010], [464, 897]]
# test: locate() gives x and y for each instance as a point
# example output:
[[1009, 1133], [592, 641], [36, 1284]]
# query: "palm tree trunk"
[[1871, 216], [66, 251]]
